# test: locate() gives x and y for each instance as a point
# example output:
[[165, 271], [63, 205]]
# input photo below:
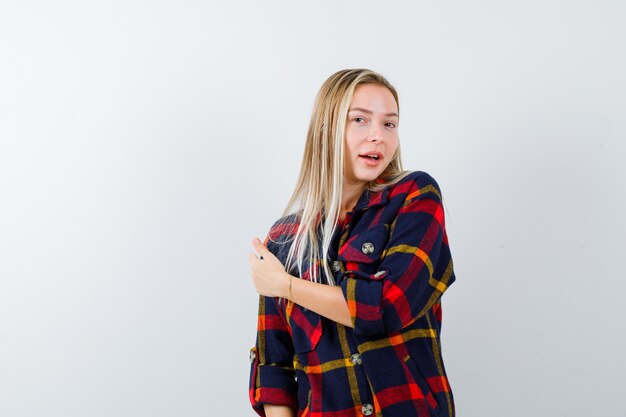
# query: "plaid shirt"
[[392, 261]]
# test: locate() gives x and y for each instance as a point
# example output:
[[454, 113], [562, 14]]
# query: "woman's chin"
[[367, 177]]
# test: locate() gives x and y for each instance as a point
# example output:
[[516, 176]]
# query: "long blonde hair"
[[316, 199]]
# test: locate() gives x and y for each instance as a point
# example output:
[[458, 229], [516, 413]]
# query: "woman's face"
[[371, 129]]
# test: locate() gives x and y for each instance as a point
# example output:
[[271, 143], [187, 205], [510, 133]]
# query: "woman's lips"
[[370, 161]]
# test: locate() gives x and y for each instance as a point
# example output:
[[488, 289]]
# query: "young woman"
[[351, 276]]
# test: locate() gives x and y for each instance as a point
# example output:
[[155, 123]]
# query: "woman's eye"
[[389, 124], [358, 119]]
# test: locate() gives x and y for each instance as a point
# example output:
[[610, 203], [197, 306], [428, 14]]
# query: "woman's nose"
[[375, 134]]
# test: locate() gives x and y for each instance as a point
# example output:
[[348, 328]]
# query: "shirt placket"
[[361, 394], [339, 238]]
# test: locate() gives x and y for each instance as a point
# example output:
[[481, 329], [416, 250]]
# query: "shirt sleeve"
[[415, 269], [272, 377]]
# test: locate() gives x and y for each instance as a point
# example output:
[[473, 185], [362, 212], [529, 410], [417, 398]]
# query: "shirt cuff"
[[271, 384]]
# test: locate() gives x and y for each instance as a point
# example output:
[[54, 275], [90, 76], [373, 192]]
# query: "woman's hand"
[[271, 279], [268, 274]]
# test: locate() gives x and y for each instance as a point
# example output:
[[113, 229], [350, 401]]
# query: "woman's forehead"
[[374, 98]]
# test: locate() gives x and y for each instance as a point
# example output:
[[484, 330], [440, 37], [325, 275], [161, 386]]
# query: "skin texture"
[[367, 132], [272, 410], [371, 126]]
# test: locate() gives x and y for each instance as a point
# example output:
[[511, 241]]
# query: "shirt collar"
[[369, 199]]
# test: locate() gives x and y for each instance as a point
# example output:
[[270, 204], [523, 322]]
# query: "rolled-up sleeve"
[[272, 377], [415, 268]]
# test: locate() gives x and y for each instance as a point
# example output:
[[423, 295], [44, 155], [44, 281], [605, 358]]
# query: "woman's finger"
[[253, 257], [260, 248]]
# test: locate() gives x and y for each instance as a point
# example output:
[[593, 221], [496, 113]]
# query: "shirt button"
[[252, 356], [336, 266], [367, 409], [356, 359], [368, 247]]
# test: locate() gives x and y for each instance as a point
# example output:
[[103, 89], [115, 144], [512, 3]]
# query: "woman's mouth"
[[372, 159]]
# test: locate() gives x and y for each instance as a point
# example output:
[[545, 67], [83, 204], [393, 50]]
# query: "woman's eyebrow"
[[361, 109]]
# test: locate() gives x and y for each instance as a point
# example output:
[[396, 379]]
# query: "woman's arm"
[[272, 377], [271, 279], [272, 410], [415, 268]]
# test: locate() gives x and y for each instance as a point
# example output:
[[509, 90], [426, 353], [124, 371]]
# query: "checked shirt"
[[391, 258]]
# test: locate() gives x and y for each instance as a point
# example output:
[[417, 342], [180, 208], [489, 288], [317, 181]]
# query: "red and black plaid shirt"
[[392, 260]]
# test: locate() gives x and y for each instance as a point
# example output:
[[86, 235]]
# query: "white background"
[[144, 144]]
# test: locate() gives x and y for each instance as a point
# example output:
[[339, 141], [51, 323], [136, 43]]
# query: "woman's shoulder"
[[421, 177], [417, 180], [281, 235], [284, 228]]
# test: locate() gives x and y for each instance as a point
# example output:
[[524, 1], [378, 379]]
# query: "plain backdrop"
[[144, 144]]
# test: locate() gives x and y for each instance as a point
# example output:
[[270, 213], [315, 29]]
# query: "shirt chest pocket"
[[363, 252]]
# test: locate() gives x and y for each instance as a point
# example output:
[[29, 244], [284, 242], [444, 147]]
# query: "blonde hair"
[[316, 199]]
